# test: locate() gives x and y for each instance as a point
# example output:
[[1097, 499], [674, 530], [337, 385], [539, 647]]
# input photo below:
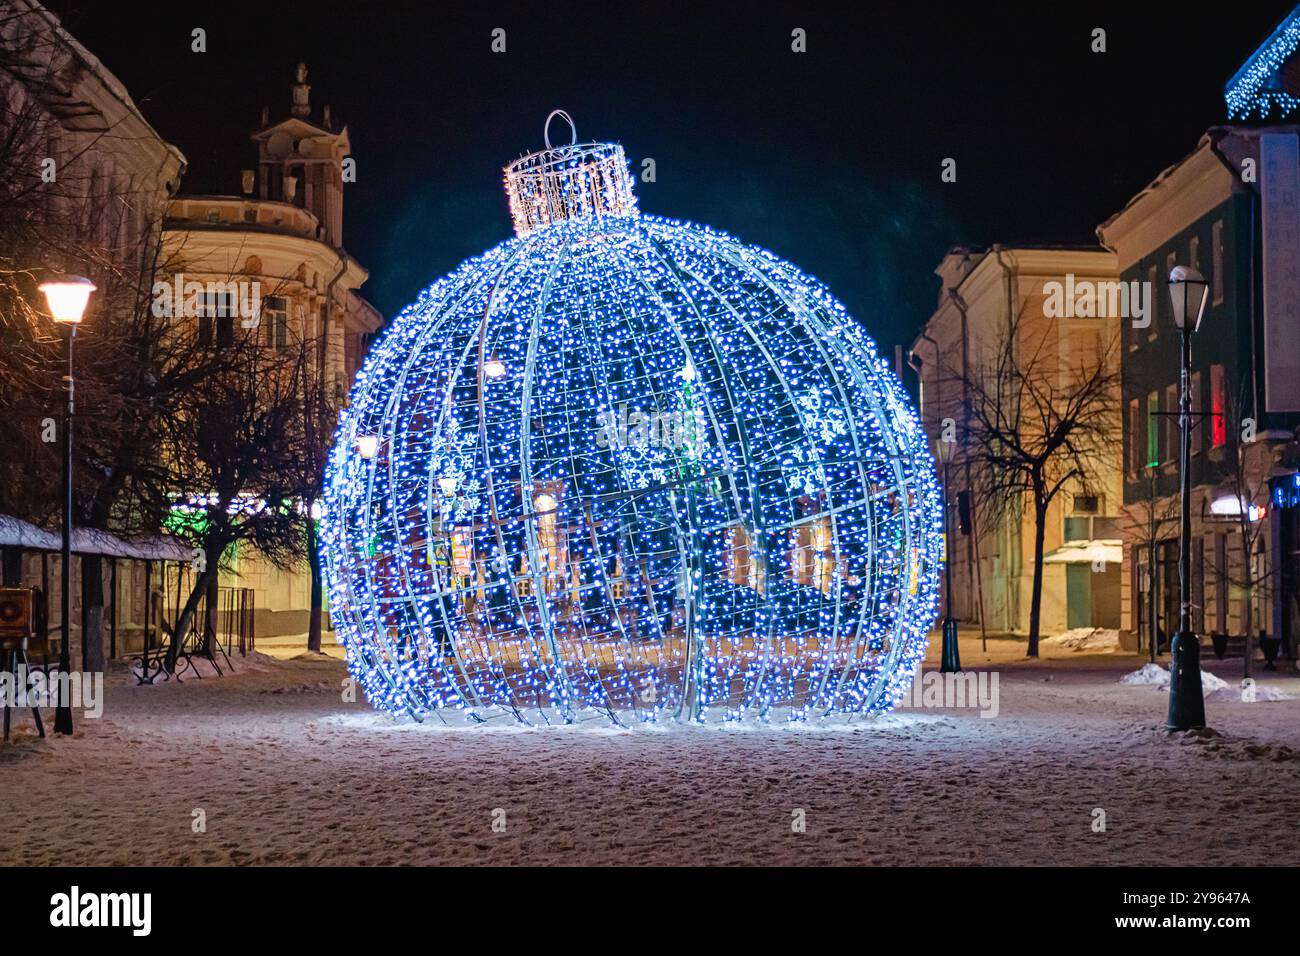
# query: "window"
[[1221, 583], [1085, 348], [216, 310], [1157, 298], [1218, 408], [1198, 416], [275, 320], [1153, 430], [1198, 585], [1086, 504], [1216, 256], [1136, 437], [1170, 432], [1194, 253]]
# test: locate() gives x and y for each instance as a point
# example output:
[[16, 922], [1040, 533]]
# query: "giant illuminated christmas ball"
[[627, 468]]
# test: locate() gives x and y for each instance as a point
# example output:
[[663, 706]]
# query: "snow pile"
[[1094, 640], [1150, 674], [1210, 683], [1153, 675], [1262, 694]]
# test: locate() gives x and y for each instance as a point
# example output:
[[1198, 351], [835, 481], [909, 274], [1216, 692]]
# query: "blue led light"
[[516, 542], [1251, 88]]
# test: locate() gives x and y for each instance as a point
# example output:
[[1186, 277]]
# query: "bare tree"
[[319, 418], [238, 441], [57, 213], [172, 414], [1035, 427]]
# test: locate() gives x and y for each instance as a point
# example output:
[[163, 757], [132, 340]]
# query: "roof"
[[15, 532], [1155, 184], [64, 75]]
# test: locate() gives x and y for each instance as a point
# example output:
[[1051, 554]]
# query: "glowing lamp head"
[[67, 297], [368, 446], [545, 503], [448, 486], [494, 368], [687, 373], [1187, 290]]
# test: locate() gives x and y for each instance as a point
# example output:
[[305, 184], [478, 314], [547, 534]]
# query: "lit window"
[[1218, 407], [1135, 437], [1153, 429]]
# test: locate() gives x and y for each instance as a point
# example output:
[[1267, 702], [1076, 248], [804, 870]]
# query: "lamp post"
[[950, 656], [1187, 289], [67, 297]]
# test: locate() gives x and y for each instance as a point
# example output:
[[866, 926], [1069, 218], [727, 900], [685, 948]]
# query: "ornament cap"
[[577, 181]]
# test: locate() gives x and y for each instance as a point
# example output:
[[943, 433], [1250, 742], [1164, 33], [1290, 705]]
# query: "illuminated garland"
[[494, 544], [1252, 88]]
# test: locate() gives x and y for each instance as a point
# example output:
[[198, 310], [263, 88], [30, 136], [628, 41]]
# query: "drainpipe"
[[961, 306], [329, 300], [1011, 343], [950, 657], [916, 362]]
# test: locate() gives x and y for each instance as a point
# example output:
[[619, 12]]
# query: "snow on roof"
[[1087, 552], [15, 532]]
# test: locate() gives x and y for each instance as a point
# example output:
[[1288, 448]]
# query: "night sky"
[[830, 158]]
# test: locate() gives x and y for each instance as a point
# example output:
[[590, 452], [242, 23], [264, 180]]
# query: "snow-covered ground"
[[281, 771]]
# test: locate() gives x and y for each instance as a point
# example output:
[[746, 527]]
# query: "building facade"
[[1034, 296], [279, 246], [97, 178], [1208, 212]]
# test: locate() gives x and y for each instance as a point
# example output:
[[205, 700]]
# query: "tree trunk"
[[92, 613], [1036, 598], [1153, 622], [187, 614], [213, 607], [317, 597], [1248, 601]]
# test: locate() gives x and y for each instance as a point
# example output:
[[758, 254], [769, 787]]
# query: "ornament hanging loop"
[[569, 181], [546, 128]]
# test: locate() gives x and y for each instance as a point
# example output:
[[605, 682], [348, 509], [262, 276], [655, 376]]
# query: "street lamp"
[[367, 446], [67, 297], [1187, 290], [950, 657]]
